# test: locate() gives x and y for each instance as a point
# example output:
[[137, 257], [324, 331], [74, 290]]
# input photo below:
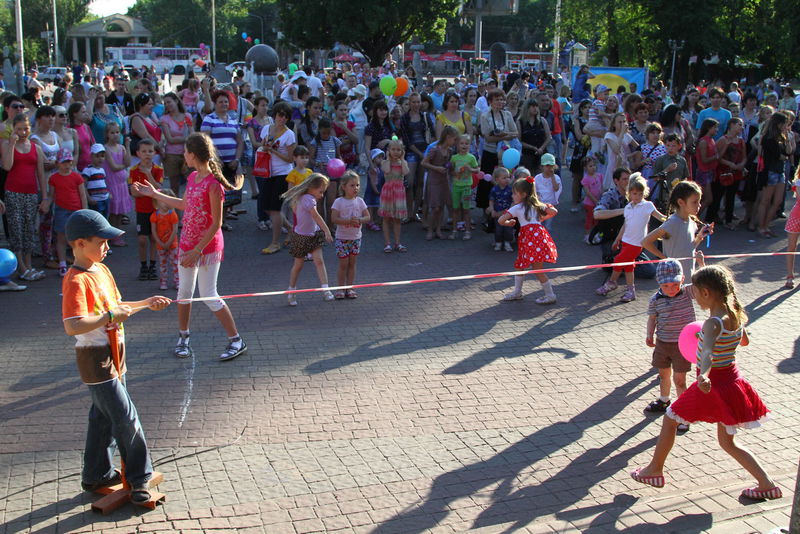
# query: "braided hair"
[[719, 280], [200, 145]]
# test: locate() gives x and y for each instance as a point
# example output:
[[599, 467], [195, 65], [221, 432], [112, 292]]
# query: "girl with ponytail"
[[720, 395], [535, 245], [201, 241]]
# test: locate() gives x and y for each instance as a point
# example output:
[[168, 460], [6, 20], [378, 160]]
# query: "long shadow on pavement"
[[505, 467], [480, 323]]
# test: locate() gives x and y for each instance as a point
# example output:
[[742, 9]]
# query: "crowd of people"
[[478, 153]]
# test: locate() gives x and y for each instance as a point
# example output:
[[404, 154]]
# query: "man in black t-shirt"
[[121, 98]]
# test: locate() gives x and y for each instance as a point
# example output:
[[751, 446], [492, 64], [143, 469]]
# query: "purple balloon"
[[336, 168]]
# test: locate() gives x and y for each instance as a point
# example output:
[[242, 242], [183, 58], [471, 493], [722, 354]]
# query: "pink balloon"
[[336, 168], [688, 341]]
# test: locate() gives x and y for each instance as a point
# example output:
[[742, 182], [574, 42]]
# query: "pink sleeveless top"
[[85, 140], [197, 219]]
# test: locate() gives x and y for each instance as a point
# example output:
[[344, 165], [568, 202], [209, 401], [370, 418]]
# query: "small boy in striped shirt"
[[669, 311]]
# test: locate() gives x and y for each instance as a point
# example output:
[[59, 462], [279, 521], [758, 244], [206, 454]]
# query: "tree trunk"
[[613, 43]]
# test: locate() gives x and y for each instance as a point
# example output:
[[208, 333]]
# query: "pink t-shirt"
[[304, 224], [349, 208], [593, 184], [197, 218]]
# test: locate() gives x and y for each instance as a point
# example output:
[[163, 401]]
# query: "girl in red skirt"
[[535, 246], [720, 394]]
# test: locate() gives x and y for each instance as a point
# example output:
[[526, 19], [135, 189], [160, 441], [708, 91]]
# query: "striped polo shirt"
[[672, 313], [223, 134]]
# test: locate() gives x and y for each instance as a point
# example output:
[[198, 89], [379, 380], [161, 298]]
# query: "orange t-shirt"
[[88, 293], [164, 223], [145, 204]]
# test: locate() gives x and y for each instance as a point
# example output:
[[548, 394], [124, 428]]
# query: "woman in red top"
[[24, 162]]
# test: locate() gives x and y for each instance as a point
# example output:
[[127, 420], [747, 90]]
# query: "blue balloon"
[[8, 264], [511, 158], [244, 35]]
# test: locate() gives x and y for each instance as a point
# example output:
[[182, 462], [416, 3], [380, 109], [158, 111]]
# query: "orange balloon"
[[199, 62], [402, 86]]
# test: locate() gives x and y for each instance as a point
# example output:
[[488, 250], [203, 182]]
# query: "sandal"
[[351, 294], [272, 249], [339, 295], [789, 283], [388, 249], [682, 428], [657, 406], [400, 248], [140, 495], [759, 495], [655, 481]]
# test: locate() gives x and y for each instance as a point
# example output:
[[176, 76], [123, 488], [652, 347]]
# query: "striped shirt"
[[96, 186], [724, 352], [326, 150], [223, 134], [672, 313]]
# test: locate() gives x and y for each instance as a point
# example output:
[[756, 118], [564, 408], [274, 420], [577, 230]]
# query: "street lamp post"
[[674, 46], [20, 49], [213, 33], [260, 18]]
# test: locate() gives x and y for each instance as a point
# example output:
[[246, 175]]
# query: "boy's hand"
[[671, 167], [158, 303], [121, 313], [650, 342]]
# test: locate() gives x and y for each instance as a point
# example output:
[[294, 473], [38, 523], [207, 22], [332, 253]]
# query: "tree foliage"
[[637, 33], [37, 16], [188, 23], [372, 28]]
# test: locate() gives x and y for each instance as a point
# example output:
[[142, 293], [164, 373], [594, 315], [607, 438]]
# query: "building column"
[[75, 48], [88, 51], [100, 52]]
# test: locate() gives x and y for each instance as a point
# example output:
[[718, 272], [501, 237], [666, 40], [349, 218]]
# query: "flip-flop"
[[759, 495], [655, 481]]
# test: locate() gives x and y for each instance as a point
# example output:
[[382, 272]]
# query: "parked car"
[[50, 74], [233, 67]]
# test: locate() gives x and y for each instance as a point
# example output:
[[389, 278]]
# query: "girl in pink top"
[[78, 120], [201, 242], [309, 232], [592, 183]]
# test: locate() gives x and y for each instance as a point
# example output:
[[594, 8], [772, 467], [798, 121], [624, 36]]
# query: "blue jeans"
[[101, 206], [113, 421]]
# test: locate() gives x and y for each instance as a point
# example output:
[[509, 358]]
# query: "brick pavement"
[[426, 408]]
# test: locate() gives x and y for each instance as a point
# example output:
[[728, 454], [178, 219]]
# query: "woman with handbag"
[[254, 128], [732, 161]]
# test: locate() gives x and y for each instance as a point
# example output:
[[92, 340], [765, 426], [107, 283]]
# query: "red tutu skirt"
[[732, 401], [535, 246]]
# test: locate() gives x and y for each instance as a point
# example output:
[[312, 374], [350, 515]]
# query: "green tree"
[[372, 28], [37, 16]]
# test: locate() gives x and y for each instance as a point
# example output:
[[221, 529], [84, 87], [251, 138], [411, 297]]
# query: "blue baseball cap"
[[89, 223], [669, 272]]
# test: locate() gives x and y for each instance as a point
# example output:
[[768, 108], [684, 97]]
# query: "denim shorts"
[[60, 219], [775, 178]]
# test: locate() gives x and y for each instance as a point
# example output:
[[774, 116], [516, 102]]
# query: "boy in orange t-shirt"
[[93, 312], [146, 171], [165, 223]]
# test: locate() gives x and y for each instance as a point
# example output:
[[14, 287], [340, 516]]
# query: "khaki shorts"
[[667, 355]]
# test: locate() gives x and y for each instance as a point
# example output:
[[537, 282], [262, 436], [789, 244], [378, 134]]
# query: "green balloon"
[[388, 85], [258, 41]]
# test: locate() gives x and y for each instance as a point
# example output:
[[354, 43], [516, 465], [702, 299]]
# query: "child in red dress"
[[535, 245], [720, 394]]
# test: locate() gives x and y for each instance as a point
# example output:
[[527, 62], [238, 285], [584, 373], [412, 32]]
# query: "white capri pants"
[[206, 277]]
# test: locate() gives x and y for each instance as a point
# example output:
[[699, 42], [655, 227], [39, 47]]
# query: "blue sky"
[[109, 7]]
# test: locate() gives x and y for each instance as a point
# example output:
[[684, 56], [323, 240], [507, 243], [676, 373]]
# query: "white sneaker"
[[262, 225], [327, 296], [497, 247], [574, 209], [290, 298], [514, 295], [586, 239], [546, 299], [507, 247]]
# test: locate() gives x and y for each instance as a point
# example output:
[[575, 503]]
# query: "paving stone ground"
[[420, 408]]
